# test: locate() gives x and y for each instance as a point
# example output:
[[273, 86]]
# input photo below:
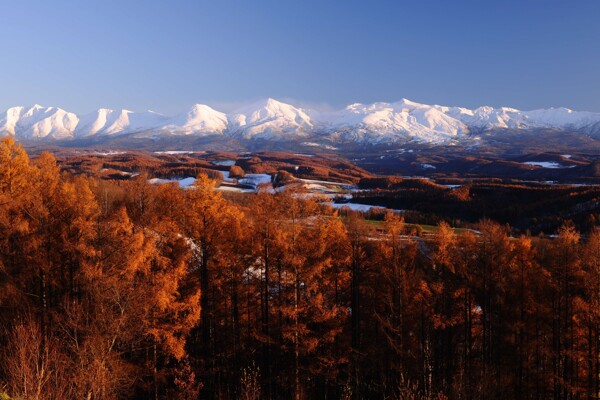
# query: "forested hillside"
[[125, 290]]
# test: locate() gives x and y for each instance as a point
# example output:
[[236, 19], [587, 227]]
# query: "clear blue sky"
[[167, 55]]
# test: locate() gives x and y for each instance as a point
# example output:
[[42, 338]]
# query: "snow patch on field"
[[235, 189], [343, 185], [108, 153], [183, 183], [354, 206], [224, 163], [548, 164], [325, 146], [226, 177], [255, 180], [177, 152], [358, 207]]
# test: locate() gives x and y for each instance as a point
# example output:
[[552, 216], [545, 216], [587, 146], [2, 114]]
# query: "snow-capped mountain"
[[199, 120], [113, 122], [270, 119], [38, 122], [388, 122]]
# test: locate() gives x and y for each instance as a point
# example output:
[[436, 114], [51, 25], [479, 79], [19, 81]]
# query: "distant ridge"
[[376, 123]]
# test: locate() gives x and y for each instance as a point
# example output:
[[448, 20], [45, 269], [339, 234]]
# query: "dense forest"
[[125, 290]]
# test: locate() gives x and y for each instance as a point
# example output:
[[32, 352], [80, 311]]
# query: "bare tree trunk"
[[154, 371], [266, 312]]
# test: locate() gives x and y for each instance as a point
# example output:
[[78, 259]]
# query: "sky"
[[167, 55]]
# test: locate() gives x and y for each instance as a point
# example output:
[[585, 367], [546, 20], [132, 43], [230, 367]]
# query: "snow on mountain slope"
[[114, 122], [403, 120], [38, 122], [270, 119], [491, 118], [200, 119], [564, 118], [487, 117]]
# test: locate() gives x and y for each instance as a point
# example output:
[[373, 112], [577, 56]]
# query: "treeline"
[[137, 291], [539, 209]]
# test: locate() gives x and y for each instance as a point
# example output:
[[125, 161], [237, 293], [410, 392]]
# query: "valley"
[[531, 193]]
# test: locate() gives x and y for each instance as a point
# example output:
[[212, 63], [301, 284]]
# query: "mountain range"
[[376, 123]]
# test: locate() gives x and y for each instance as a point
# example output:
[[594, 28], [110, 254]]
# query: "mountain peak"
[[200, 119], [410, 103], [202, 108]]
